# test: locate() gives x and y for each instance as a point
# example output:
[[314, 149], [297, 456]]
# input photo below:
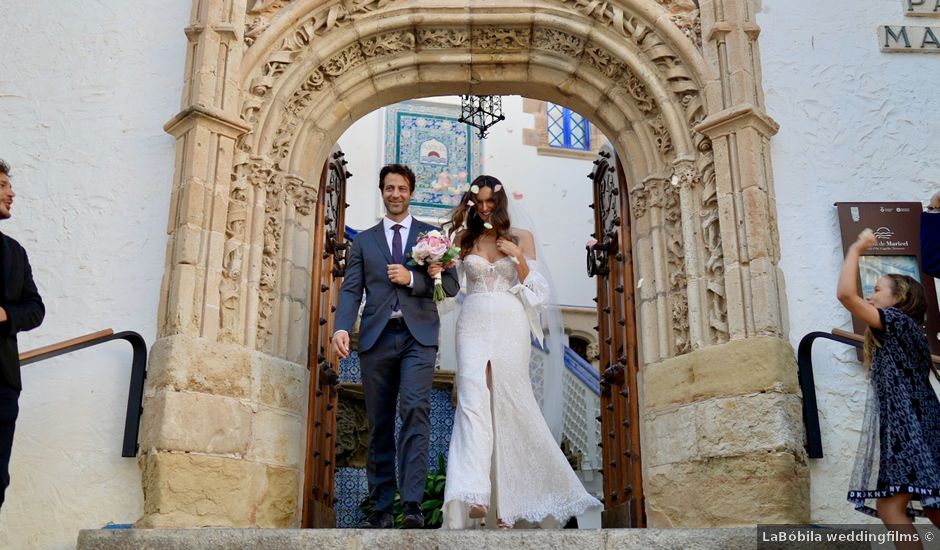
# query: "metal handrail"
[[804, 361], [135, 394]]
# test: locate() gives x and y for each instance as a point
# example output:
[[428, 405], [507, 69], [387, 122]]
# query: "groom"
[[397, 348]]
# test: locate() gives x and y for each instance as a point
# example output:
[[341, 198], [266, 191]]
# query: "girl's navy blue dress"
[[899, 451]]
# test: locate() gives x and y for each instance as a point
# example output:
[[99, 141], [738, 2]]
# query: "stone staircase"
[[355, 539]]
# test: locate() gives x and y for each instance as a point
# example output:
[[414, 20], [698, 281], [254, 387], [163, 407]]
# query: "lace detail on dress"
[[499, 425], [486, 276], [560, 510]]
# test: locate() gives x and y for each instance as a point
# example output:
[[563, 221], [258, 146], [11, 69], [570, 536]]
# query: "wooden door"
[[611, 262], [328, 266]]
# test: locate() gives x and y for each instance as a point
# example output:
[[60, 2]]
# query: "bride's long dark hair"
[[465, 216]]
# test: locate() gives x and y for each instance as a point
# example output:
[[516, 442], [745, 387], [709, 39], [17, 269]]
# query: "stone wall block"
[[185, 490], [189, 240], [401, 78], [196, 422], [765, 305], [754, 488], [279, 506], [723, 427], [181, 313], [734, 291], [297, 332], [278, 383], [670, 437], [193, 200], [749, 424], [751, 169], [199, 365], [759, 238], [277, 437], [300, 288], [738, 367]]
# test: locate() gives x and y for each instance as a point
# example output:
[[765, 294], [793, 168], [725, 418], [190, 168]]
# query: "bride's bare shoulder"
[[521, 234]]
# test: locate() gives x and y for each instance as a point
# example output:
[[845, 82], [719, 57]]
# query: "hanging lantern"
[[481, 112]]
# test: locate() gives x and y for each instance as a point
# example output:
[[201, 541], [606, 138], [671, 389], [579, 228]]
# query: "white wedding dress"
[[527, 477]]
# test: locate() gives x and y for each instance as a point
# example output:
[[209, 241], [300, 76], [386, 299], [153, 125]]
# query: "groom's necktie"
[[397, 254]]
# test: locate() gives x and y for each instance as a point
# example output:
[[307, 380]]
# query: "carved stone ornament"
[[352, 432], [714, 255], [500, 39], [302, 195], [639, 201], [442, 39], [661, 133], [675, 260], [270, 255], [258, 17], [558, 41]]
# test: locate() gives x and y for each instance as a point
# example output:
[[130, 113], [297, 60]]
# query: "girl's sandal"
[[502, 524]]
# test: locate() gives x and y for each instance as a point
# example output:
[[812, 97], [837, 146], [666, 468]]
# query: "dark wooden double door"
[[609, 262]]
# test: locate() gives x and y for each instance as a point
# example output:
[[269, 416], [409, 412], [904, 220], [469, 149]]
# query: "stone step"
[[389, 539]]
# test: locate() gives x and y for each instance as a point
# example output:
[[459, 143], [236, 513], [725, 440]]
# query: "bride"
[[503, 460]]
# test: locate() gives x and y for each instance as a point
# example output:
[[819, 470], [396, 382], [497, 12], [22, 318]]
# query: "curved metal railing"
[[138, 374], [804, 361]]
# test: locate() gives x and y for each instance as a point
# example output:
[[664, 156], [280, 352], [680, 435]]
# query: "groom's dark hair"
[[399, 169]]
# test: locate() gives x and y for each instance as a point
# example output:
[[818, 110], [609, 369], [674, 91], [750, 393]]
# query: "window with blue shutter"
[[567, 129]]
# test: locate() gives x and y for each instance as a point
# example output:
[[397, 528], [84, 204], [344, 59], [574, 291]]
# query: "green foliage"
[[431, 504]]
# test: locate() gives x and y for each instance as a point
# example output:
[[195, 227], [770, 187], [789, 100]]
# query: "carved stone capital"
[[735, 118], [220, 122], [302, 194], [685, 175], [639, 201], [656, 187]]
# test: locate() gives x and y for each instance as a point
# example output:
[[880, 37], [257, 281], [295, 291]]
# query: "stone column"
[[723, 425], [222, 430]]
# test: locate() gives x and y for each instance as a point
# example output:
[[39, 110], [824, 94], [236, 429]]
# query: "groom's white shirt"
[[389, 235]]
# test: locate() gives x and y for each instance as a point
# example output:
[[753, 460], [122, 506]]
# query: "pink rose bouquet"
[[434, 247]]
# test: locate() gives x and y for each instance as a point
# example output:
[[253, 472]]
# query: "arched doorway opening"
[[675, 84]]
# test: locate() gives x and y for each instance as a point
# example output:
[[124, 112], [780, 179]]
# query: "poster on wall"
[[897, 227], [444, 154]]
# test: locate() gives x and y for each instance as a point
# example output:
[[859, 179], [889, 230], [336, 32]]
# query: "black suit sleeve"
[[424, 284], [451, 282], [26, 313]]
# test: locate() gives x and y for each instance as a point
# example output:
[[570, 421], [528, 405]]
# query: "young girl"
[[899, 453]]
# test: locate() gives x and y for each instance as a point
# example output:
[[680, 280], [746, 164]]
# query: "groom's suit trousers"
[[397, 364]]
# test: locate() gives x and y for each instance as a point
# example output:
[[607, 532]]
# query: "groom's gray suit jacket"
[[367, 269]]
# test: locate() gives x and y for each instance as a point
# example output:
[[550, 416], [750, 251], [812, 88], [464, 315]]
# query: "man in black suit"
[[397, 347], [20, 309]]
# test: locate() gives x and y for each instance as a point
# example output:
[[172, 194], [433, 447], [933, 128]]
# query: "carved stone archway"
[[271, 85]]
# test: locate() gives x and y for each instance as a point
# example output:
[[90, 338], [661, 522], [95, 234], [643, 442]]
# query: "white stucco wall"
[[84, 91], [855, 125], [556, 191]]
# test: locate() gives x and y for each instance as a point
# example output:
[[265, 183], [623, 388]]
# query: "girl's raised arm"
[[848, 282]]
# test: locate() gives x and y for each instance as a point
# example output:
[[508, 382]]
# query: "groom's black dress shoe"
[[413, 518], [377, 520]]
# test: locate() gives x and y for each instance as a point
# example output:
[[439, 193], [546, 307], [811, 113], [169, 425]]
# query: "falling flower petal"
[[488, 225], [497, 187], [517, 195], [591, 243], [474, 189], [471, 203], [639, 283]]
